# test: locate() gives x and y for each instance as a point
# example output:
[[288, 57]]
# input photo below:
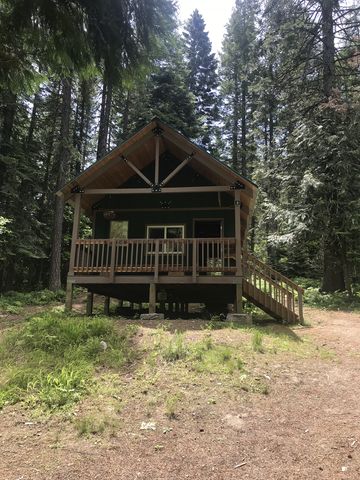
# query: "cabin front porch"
[[198, 269]]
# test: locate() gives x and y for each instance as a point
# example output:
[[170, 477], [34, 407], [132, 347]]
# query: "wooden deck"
[[182, 261]]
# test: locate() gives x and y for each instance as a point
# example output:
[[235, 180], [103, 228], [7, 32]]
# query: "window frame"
[[165, 227], [119, 221]]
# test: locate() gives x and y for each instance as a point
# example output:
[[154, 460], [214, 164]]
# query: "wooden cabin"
[[170, 224]]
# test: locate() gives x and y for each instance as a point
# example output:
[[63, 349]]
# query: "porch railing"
[[189, 255]]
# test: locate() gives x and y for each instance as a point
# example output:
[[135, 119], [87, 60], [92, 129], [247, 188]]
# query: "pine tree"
[[238, 67], [202, 77]]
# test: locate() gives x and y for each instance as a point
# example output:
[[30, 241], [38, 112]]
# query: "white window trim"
[[165, 227]]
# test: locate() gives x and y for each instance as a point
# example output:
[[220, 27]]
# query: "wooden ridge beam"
[[137, 191]]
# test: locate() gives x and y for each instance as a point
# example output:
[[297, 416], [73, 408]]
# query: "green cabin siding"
[[162, 204], [139, 220]]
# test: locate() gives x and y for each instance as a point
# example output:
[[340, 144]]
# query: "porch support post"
[[238, 306], [107, 306], [152, 298], [238, 252], [89, 303], [75, 232], [69, 295]]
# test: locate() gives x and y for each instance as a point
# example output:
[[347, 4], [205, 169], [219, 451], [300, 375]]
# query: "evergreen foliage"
[[202, 79]]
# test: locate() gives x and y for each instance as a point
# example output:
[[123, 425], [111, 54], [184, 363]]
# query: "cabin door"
[[208, 252]]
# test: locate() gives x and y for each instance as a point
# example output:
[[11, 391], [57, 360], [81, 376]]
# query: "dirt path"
[[308, 427]]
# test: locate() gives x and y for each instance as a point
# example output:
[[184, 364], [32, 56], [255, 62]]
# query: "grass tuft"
[[257, 342], [171, 404], [175, 349], [94, 425]]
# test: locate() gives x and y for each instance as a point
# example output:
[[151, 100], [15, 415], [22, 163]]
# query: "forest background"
[[281, 105]]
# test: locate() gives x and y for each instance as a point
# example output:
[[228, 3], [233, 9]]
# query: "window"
[[167, 232], [119, 229]]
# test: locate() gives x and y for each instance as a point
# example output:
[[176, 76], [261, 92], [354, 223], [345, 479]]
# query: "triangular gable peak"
[[141, 157]]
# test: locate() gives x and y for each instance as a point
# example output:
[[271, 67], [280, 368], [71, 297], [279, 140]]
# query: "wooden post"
[[157, 249], [89, 303], [301, 306], [112, 260], [238, 304], [152, 298], [69, 295], [194, 260], [157, 159], [75, 231], [107, 306], [238, 253]]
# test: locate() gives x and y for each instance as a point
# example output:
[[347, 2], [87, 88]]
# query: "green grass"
[[50, 361], [203, 356], [14, 302]]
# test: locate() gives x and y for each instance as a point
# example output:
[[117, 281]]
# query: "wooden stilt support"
[[152, 298], [238, 306], [89, 303], [301, 306], [69, 296], [186, 308], [107, 306]]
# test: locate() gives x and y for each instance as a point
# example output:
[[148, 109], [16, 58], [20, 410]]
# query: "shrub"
[[13, 302]]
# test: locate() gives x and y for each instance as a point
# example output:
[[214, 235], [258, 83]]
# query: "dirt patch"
[[306, 427]]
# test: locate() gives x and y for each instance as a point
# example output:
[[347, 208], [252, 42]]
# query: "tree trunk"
[[333, 278], [62, 163], [327, 10], [125, 132], [30, 135], [8, 114], [243, 129], [333, 275], [235, 125], [104, 124]]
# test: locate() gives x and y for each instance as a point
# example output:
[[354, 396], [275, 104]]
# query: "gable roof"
[[112, 172]]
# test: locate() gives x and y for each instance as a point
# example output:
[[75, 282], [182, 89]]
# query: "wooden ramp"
[[271, 291]]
